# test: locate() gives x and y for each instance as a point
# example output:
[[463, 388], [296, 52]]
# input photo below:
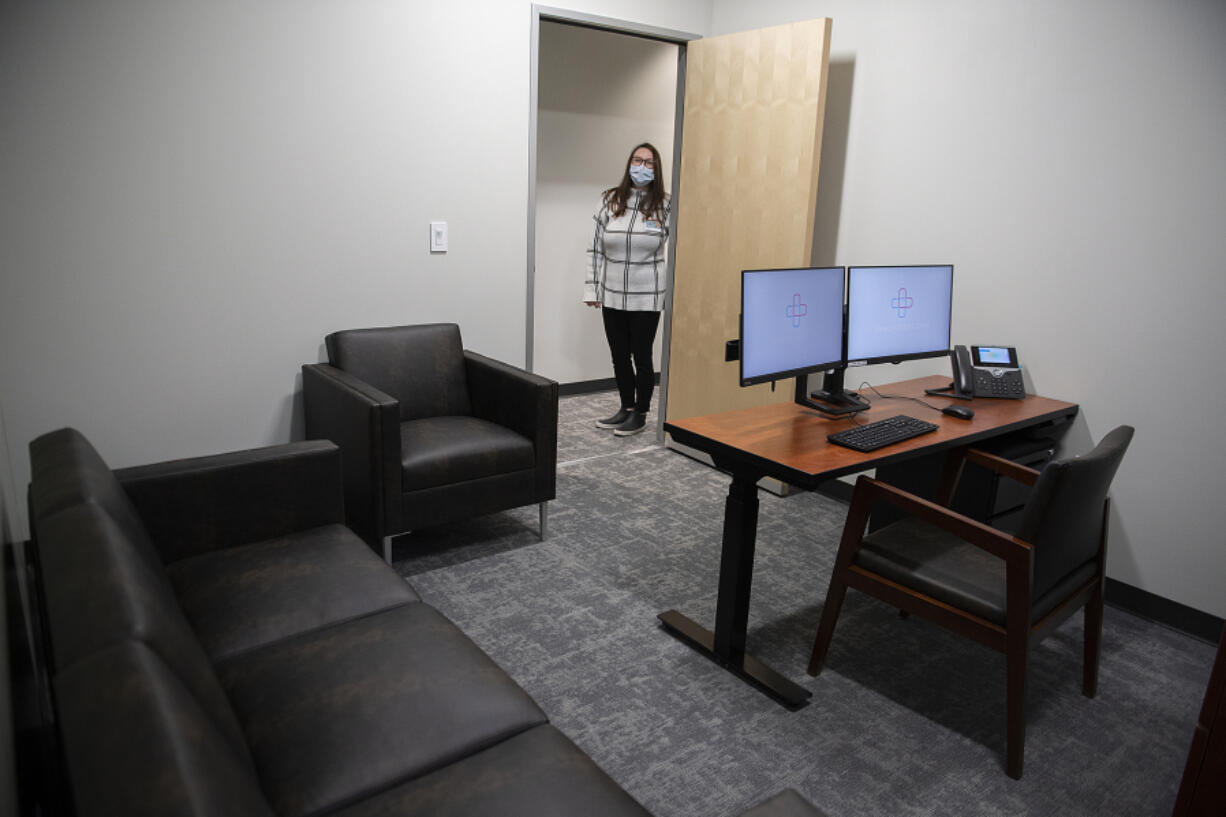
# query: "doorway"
[[600, 87], [753, 118]]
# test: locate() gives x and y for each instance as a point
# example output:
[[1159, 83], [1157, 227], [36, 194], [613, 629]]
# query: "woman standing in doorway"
[[626, 281]]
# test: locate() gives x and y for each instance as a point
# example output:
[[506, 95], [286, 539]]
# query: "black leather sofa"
[[217, 642]]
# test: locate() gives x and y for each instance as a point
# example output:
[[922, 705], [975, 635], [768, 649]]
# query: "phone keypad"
[[1005, 383]]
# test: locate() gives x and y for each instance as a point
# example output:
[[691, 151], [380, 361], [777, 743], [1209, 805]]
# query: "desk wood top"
[[788, 441]]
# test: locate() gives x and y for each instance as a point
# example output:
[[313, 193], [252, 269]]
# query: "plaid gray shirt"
[[626, 260]]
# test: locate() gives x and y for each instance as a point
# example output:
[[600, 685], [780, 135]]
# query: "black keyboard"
[[885, 432]]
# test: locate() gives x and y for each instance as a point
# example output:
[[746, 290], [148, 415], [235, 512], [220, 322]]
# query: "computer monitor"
[[791, 322], [898, 313]]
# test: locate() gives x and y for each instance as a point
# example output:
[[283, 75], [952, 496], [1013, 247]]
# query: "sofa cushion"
[[344, 712], [245, 597], [537, 773], [99, 592], [136, 742], [447, 450], [67, 470]]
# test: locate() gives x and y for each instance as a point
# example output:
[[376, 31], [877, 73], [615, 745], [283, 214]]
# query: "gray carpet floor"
[[906, 719]]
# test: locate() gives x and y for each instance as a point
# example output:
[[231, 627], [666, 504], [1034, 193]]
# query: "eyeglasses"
[[639, 161]]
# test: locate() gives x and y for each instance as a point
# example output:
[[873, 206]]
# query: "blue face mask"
[[641, 175]]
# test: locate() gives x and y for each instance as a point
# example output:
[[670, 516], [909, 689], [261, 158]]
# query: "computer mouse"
[[961, 412]]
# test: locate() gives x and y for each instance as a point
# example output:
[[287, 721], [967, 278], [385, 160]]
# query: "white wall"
[[194, 194], [600, 94], [1068, 159]]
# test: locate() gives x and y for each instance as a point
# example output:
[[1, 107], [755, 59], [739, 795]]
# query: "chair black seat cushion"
[[446, 450], [244, 597], [925, 558], [402, 693]]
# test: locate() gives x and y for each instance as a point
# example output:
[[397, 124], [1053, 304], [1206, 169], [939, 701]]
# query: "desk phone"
[[987, 371]]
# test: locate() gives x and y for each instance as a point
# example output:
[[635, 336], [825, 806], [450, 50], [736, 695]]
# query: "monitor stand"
[[831, 399]]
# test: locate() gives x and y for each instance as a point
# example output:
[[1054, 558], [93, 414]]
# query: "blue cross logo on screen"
[[797, 310], [902, 302]]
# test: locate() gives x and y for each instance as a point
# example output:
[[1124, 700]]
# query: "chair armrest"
[[1002, 466], [521, 401], [985, 537], [510, 396], [191, 506], [364, 423]]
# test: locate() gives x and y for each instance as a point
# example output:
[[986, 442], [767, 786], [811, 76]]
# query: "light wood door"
[[751, 145]]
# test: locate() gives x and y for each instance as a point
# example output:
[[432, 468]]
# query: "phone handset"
[[964, 371]]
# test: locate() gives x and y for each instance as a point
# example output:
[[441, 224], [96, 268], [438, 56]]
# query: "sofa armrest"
[[521, 401], [364, 423], [191, 506]]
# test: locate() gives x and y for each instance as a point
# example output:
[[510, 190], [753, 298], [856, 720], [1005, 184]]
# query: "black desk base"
[[726, 645], [746, 667]]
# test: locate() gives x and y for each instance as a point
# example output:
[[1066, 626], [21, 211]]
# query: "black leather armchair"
[[430, 432], [1006, 591]]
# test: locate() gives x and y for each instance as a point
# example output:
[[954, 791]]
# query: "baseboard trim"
[[586, 387], [590, 386], [1196, 623]]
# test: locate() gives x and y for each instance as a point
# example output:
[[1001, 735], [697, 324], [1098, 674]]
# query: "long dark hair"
[[652, 203]]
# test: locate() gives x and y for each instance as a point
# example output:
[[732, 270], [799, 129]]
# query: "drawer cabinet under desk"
[[981, 493]]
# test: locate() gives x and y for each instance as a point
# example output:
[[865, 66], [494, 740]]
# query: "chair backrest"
[[421, 366], [1064, 517]]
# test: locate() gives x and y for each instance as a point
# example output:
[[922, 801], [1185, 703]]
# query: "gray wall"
[[193, 195], [8, 492], [1068, 159], [600, 94]]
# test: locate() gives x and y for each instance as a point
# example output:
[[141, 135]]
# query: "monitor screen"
[[898, 313], [791, 322]]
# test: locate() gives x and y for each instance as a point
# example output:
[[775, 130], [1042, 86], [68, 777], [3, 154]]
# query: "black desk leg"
[[726, 645]]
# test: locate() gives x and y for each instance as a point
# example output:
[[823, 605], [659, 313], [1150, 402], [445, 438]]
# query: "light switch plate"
[[438, 236]]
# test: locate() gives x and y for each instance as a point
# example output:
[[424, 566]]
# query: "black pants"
[[631, 336]]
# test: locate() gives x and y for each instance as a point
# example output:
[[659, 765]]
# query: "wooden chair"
[[1004, 591]]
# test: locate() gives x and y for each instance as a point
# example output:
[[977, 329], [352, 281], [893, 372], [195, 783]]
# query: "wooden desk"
[[788, 442]]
